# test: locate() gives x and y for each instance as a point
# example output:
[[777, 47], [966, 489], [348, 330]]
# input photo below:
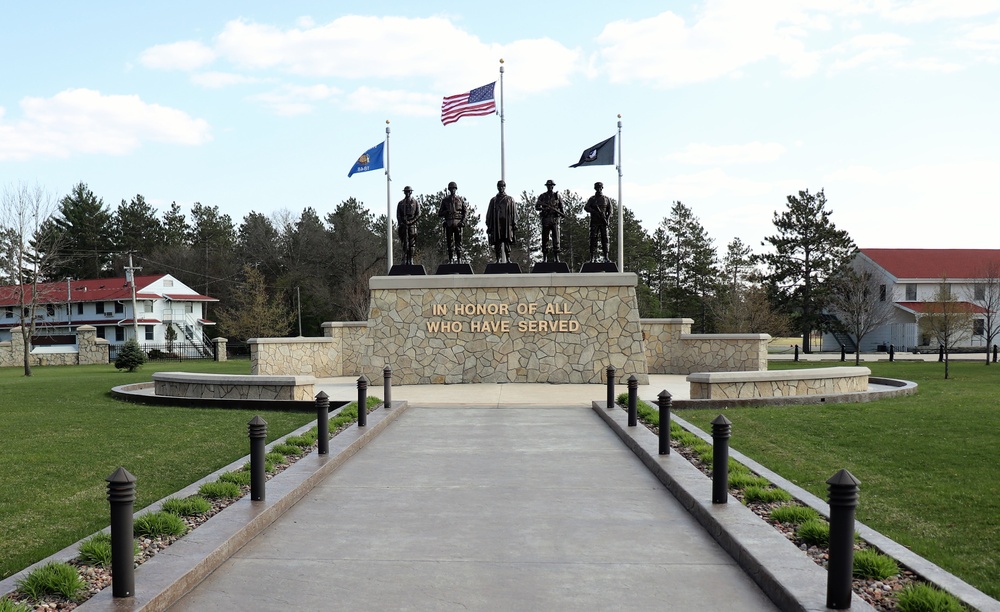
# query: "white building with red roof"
[[161, 301], [913, 279]]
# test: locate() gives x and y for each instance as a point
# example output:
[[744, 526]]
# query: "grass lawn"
[[63, 434], [927, 463]]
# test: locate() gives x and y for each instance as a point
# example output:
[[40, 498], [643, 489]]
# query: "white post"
[[130, 275], [503, 165], [621, 214], [388, 205]]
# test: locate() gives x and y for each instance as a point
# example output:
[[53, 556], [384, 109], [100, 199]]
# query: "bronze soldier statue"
[[453, 212], [407, 213], [501, 223], [599, 207], [550, 209]]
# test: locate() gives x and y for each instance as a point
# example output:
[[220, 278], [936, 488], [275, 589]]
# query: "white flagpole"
[[621, 214], [503, 166], [388, 204]]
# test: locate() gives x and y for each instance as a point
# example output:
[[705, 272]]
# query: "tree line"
[[318, 266]]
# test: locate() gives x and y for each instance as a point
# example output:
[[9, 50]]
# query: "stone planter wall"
[[89, 350], [292, 356], [783, 383]]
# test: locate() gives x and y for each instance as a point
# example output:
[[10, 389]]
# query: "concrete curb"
[[787, 576], [172, 573]]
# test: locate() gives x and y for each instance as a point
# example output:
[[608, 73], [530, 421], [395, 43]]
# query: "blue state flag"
[[369, 160]]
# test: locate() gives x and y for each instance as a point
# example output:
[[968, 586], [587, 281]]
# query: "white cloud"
[[294, 99], [393, 102], [913, 11], [750, 153], [445, 56], [216, 80], [868, 49], [85, 121], [184, 55], [984, 38], [725, 37]]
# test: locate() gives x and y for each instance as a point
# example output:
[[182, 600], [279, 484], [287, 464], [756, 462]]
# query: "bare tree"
[[28, 247], [946, 319], [986, 295], [860, 302], [746, 310]]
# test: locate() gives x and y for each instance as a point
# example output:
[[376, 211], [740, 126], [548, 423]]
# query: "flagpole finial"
[[501, 60]]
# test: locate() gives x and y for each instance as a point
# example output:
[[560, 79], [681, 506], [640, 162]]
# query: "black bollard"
[[843, 353], [940, 353], [387, 386], [633, 399], [664, 401], [721, 432], [611, 387], [994, 353], [796, 352], [121, 496], [323, 423], [257, 431], [843, 487], [892, 353], [362, 401]]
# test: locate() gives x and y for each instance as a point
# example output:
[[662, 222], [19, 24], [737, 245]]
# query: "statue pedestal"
[[459, 268], [517, 328], [552, 267], [604, 266], [502, 268], [407, 270]]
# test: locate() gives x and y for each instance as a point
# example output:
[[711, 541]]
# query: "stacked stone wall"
[[787, 383], [292, 356], [89, 350], [672, 349]]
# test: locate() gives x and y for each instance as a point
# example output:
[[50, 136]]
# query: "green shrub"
[[302, 441], [814, 532], [870, 563], [287, 449], [130, 356], [240, 479], [220, 490], [96, 550], [793, 514], [743, 480], [189, 506], [920, 597], [155, 524], [765, 495], [53, 578], [6, 605]]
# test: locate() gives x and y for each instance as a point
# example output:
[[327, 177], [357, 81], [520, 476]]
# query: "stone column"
[[220, 348]]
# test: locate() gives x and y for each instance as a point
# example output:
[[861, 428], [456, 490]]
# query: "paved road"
[[484, 508]]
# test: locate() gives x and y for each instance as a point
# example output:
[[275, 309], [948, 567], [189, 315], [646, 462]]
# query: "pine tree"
[[809, 251]]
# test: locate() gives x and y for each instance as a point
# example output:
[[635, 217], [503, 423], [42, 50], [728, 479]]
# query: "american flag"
[[473, 103]]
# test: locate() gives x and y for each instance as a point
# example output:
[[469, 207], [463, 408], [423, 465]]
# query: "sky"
[[891, 107]]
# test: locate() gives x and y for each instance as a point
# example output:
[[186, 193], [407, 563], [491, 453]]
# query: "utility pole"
[[130, 277]]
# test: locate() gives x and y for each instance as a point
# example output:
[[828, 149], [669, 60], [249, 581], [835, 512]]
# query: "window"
[[119, 334], [8, 313], [978, 327], [147, 306], [149, 332], [50, 310], [189, 307], [881, 293], [100, 307], [979, 292], [168, 283], [79, 308], [911, 292], [101, 331], [119, 308]]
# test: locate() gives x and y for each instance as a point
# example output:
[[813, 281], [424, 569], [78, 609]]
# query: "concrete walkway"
[[484, 508]]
